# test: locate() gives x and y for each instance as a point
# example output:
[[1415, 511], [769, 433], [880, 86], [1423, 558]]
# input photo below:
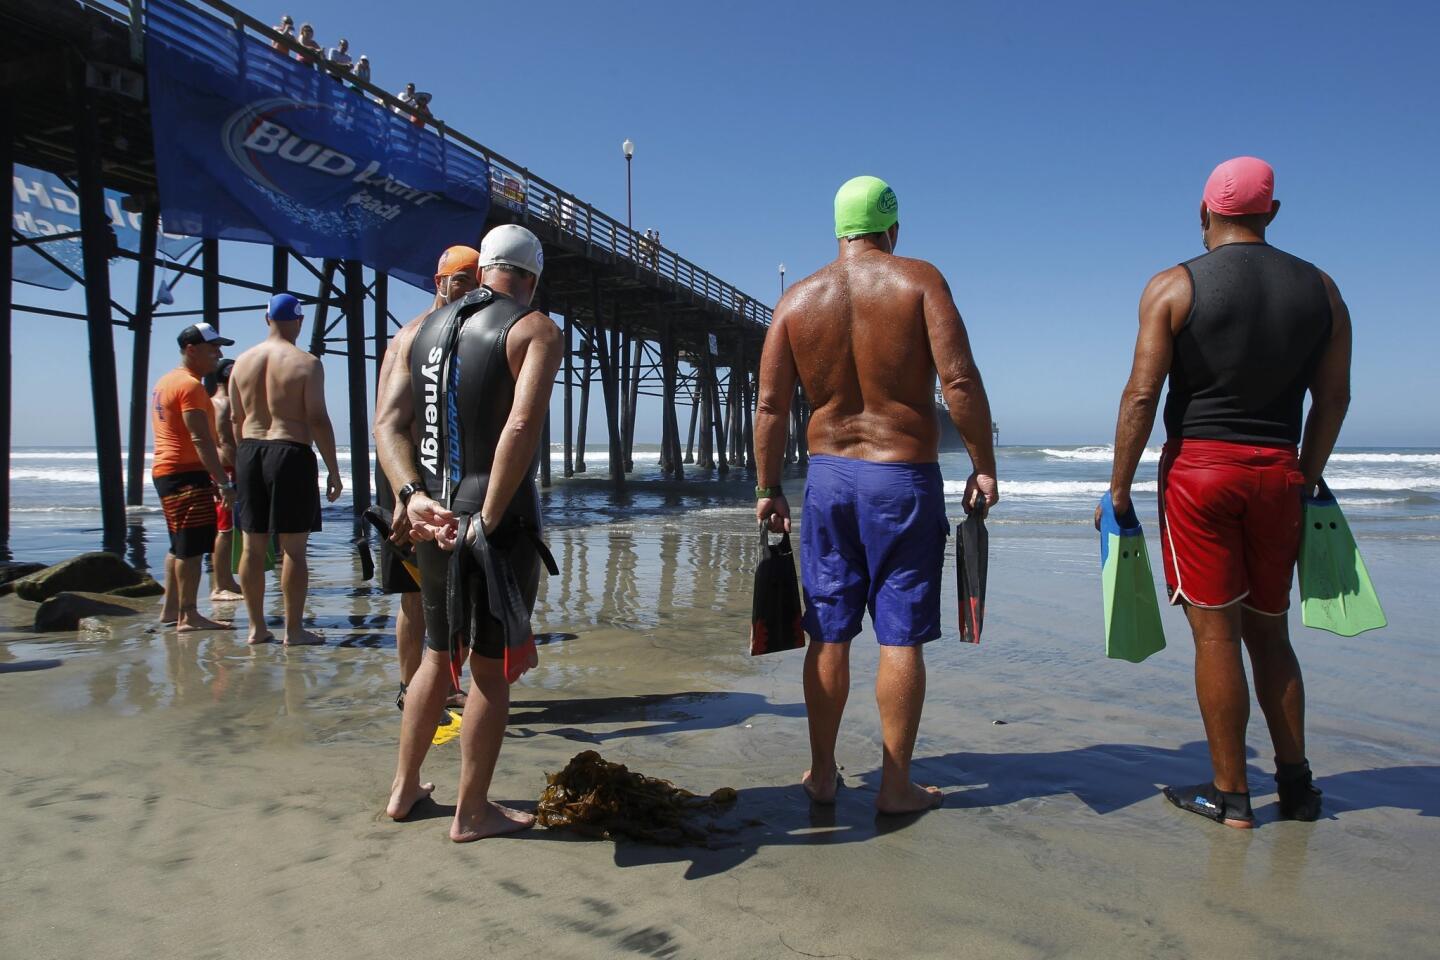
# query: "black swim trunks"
[[188, 500], [489, 641], [278, 487]]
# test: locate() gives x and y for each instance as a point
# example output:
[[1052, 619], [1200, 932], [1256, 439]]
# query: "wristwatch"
[[763, 493], [409, 490]]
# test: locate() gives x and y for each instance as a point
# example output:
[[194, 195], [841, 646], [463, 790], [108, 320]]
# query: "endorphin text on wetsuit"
[[463, 391]]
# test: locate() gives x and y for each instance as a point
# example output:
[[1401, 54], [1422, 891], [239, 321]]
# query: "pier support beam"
[[381, 295], [569, 398], [637, 347], [210, 281], [581, 427], [7, 268], [96, 243], [748, 400], [610, 383], [140, 355], [694, 417], [279, 269], [359, 396], [321, 313]]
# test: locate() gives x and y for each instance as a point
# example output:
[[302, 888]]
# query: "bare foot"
[[303, 638], [819, 787], [192, 622], [492, 821], [911, 799], [403, 799], [226, 595], [260, 635]]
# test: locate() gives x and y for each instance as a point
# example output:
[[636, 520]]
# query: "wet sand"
[[196, 797]]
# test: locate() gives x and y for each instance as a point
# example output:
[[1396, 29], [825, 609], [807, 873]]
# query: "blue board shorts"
[[872, 537]]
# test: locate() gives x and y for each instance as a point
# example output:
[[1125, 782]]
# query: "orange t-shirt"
[[175, 393]]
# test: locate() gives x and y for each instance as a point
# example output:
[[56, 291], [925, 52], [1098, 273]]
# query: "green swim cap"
[[865, 205]]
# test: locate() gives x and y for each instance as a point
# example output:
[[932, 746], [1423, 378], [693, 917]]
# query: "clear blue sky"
[[1048, 158]]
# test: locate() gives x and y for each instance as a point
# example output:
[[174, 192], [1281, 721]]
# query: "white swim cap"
[[514, 246]]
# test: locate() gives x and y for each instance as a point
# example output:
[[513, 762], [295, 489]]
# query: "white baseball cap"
[[514, 246]]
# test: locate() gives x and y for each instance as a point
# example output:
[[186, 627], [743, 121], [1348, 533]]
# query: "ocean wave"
[[1105, 454], [1097, 454], [1095, 488], [1048, 488]]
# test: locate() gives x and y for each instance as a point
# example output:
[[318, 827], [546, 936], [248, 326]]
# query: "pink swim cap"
[[1240, 186]]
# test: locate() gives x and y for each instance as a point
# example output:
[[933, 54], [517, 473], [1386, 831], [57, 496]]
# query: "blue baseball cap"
[[284, 307]]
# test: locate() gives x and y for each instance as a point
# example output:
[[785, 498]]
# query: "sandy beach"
[[196, 797]]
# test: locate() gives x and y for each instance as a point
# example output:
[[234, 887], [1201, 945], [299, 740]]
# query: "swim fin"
[[237, 549], [505, 599], [381, 525], [1132, 613], [972, 566], [775, 601], [1335, 589]]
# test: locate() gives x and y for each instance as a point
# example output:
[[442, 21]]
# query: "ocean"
[[1387, 493]]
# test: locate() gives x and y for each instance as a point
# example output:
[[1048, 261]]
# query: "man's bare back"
[[867, 333], [271, 382]]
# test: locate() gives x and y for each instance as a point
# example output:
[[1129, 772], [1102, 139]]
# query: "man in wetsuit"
[[456, 274], [865, 336], [222, 579], [186, 471], [277, 403], [475, 381], [1242, 332]]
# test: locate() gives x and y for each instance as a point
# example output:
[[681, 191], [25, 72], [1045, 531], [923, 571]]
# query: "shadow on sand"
[[1105, 777]]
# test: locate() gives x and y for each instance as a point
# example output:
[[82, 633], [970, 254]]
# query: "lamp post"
[[782, 279], [628, 147]]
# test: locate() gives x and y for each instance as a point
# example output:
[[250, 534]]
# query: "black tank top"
[[463, 393], [1259, 323]]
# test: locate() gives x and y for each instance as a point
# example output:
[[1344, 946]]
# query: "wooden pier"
[[642, 322]]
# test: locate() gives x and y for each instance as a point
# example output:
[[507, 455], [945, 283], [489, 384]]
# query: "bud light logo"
[[263, 141]]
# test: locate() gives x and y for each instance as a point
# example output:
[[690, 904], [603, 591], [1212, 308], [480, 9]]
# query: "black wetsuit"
[[463, 391], [1259, 323]]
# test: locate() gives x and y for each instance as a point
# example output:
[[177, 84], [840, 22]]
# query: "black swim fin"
[[972, 568], [377, 520], [506, 600]]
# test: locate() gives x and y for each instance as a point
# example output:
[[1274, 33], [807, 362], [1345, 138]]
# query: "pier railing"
[[530, 198]]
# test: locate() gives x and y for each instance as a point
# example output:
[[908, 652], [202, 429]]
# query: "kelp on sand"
[[598, 798]]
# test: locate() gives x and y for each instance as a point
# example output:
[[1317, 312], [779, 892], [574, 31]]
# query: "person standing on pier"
[[492, 360], [865, 336], [186, 471], [456, 274], [1242, 332], [277, 403]]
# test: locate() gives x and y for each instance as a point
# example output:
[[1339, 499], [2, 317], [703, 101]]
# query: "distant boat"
[[950, 437]]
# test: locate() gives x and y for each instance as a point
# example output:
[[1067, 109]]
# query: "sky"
[[1048, 158]]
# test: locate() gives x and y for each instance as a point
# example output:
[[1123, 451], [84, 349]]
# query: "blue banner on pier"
[[254, 145], [46, 206]]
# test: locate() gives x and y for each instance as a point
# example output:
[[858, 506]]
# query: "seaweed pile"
[[597, 798]]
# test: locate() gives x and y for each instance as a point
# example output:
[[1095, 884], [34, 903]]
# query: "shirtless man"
[[222, 578], [455, 276], [277, 404], [500, 368], [865, 335]]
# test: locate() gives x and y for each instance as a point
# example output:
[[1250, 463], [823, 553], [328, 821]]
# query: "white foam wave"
[[1429, 459], [1097, 454], [1048, 488], [1095, 488]]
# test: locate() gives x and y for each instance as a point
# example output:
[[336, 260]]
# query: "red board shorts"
[[224, 517], [1230, 523]]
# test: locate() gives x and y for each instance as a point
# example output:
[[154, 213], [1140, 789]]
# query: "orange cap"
[[456, 259]]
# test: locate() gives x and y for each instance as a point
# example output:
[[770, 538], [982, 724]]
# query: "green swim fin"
[[1335, 589], [1132, 613], [237, 547]]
